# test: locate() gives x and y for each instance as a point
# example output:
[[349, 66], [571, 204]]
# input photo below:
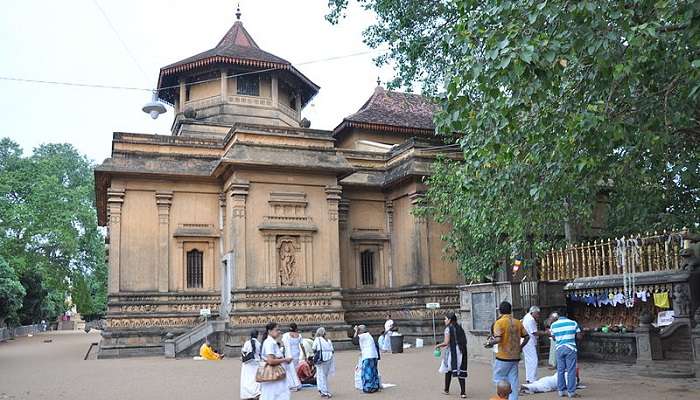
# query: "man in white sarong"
[[530, 349]]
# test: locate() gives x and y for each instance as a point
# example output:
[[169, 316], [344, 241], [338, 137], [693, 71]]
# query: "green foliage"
[[48, 226], [551, 104], [11, 292]]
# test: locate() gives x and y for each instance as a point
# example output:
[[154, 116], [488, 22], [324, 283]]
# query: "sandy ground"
[[32, 369]]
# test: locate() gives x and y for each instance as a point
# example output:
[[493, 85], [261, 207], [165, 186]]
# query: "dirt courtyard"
[[32, 369]]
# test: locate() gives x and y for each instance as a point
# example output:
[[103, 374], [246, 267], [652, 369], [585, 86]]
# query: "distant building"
[[317, 224]]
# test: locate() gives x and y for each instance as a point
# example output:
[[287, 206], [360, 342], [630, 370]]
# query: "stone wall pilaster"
[[115, 200], [420, 241], [163, 201], [333, 193], [237, 237], [389, 254]]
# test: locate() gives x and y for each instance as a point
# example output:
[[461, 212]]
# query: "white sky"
[[71, 41]]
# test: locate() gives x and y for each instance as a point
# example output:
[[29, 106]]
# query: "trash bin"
[[396, 343]]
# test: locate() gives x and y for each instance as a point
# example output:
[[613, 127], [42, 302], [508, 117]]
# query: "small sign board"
[[205, 312], [432, 306], [665, 318]]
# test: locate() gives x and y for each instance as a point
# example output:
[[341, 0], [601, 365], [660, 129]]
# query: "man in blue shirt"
[[565, 331]]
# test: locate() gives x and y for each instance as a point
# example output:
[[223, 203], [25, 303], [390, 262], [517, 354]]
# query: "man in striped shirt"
[[564, 331]]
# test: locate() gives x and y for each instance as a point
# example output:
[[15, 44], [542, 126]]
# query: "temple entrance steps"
[[195, 336]]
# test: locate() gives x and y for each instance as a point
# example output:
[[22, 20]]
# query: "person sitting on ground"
[[503, 390], [306, 370], [208, 353]]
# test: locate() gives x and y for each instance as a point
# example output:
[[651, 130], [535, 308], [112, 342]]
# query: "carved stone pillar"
[[333, 197], [239, 195], [115, 200], [389, 257], [163, 201], [421, 259]]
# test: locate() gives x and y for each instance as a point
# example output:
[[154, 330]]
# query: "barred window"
[[195, 269], [248, 85], [367, 267]]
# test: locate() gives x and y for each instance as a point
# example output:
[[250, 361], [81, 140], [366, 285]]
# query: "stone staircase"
[[180, 344]]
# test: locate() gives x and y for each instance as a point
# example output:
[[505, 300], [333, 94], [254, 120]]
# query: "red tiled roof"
[[236, 43], [237, 47], [393, 111]]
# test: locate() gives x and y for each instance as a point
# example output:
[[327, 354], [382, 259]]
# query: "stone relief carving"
[[681, 300], [287, 261]]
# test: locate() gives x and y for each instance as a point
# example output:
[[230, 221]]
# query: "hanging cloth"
[[661, 300]]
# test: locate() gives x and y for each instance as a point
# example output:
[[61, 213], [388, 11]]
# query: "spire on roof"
[[379, 81], [238, 12]]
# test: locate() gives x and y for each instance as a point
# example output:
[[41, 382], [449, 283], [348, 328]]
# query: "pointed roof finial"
[[238, 12], [379, 81]]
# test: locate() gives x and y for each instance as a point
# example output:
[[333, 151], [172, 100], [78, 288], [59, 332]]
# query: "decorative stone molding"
[[132, 323], [333, 193], [238, 193], [286, 318]]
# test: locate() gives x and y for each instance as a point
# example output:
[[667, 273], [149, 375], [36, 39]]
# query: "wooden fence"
[[655, 252]]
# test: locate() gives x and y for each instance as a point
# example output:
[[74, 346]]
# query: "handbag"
[[247, 357], [318, 357], [270, 373]]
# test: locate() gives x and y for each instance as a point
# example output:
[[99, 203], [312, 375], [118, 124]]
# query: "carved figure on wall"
[[287, 263], [681, 301]]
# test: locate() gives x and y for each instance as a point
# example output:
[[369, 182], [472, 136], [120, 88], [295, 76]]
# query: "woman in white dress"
[[454, 360], [324, 359], [250, 357], [272, 355], [292, 349]]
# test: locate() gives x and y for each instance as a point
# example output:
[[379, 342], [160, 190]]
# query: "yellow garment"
[[207, 353], [661, 300], [510, 331]]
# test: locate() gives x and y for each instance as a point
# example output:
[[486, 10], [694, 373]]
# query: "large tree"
[[48, 227], [551, 103]]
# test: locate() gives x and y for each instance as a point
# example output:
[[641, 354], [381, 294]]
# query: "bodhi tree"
[[551, 105], [48, 230]]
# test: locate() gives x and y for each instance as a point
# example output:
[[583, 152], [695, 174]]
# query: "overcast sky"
[[72, 41]]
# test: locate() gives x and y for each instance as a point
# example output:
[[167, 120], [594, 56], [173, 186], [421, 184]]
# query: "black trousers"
[[462, 383]]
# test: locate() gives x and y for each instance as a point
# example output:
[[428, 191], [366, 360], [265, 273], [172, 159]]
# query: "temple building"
[[295, 224]]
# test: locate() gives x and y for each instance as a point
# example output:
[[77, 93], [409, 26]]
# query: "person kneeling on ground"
[[503, 390], [208, 353], [307, 371]]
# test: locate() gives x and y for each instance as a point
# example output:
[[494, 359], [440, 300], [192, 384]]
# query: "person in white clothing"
[[272, 355], [250, 361], [385, 342], [530, 349], [369, 358], [324, 359], [291, 342]]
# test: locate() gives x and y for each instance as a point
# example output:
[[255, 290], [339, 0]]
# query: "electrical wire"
[[104, 86], [116, 33]]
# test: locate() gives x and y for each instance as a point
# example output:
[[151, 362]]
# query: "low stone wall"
[[608, 347], [8, 333]]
